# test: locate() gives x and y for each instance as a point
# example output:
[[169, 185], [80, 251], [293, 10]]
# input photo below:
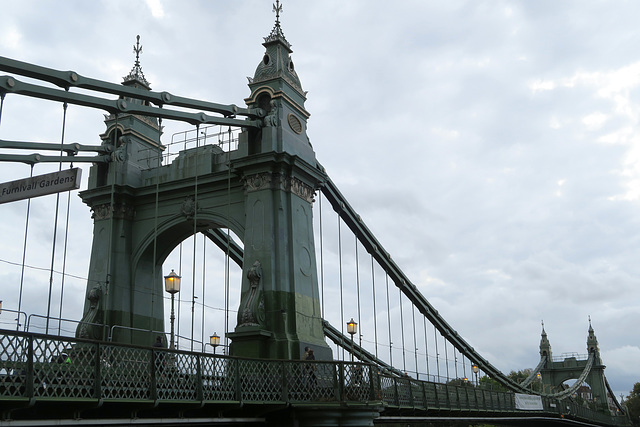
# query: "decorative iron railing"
[[39, 368]]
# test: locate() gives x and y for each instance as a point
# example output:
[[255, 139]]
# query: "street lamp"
[[172, 285], [214, 340], [475, 370], [352, 328]]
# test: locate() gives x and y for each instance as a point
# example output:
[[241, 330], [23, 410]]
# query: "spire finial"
[[276, 32], [137, 49], [136, 73], [277, 8]]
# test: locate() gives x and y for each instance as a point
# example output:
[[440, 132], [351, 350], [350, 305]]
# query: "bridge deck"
[[65, 378]]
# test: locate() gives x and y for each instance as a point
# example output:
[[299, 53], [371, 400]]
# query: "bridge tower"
[[263, 192], [555, 373]]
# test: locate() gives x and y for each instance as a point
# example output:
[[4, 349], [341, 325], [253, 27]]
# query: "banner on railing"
[[527, 402]]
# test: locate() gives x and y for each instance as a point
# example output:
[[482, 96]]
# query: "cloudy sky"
[[489, 145]]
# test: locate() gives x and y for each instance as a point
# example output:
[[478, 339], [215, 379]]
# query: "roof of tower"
[[136, 75], [277, 62]]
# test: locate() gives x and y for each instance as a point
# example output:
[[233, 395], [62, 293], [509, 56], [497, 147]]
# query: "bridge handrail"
[[49, 368], [24, 325]]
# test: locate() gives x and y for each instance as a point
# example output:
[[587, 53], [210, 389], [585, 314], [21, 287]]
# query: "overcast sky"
[[491, 146]]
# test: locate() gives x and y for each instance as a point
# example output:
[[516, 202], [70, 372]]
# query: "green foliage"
[[633, 403]]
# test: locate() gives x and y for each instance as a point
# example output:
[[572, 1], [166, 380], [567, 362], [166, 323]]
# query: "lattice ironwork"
[[261, 381], [63, 369], [357, 378], [126, 373], [177, 376], [218, 379], [13, 365], [311, 381]]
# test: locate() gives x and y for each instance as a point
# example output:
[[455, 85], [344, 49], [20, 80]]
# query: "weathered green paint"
[[143, 210]]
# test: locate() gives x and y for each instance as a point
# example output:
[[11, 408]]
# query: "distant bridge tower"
[[555, 373], [263, 192]]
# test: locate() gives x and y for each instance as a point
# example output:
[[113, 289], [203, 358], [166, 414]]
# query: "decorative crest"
[[136, 72]]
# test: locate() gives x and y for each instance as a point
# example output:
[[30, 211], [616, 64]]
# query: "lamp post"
[[352, 328], [214, 340], [172, 285], [475, 370]]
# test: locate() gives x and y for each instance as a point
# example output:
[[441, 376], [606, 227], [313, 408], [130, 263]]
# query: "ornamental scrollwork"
[[278, 181], [119, 211]]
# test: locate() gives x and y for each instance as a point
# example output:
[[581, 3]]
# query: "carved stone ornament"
[[258, 182], [120, 211], [251, 311], [189, 207], [268, 180], [302, 190], [90, 325]]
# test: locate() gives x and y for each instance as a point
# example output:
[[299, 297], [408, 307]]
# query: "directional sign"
[[41, 185]]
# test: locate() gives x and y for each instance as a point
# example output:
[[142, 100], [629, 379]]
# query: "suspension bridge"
[[246, 181]]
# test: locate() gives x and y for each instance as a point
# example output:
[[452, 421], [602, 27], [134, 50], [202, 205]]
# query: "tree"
[[633, 404]]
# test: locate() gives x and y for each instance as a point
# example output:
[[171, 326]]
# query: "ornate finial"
[[136, 72], [276, 32], [277, 8], [137, 49]]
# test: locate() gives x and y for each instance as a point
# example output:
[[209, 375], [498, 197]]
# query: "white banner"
[[527, 402]]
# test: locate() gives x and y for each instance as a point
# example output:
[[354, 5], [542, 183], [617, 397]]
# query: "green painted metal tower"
[[555, 373], [263, 191]]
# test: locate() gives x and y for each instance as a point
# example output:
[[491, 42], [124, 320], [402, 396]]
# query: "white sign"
[[41, 185], [527, 402]]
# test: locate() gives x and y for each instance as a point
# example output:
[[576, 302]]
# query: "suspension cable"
[[321, 254], [155, 235], [195, 231], [64, 254], [415, 341], [435, 339], [389, 323], [341, 290], [358, 291], [179, 296], [426, 344], [455, 362], [204, 273], [404, 359], [112, 208], [55, 221], [227, 294], [375, 318], [24, 249], [446, 356]]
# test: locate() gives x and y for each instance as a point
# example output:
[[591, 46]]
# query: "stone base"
[[250, 341]]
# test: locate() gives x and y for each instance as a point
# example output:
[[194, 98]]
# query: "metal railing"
[[43, 368]]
